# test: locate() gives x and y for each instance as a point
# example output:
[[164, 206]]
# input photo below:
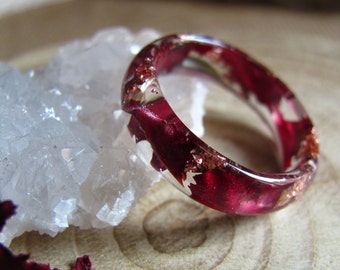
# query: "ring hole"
[[230, 125]]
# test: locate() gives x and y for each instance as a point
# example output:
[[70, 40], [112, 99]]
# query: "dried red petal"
[[9, 261], [82, 263], [7, 209]]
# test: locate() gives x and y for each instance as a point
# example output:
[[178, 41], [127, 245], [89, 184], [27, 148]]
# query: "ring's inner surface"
[[230, 124], [262, 90]]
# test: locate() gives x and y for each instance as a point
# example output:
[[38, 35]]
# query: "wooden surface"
[[166, 230]]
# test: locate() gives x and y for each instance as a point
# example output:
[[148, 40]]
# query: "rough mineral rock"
[[66, 157]]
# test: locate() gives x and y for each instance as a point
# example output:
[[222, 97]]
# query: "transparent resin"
[[190, 164]]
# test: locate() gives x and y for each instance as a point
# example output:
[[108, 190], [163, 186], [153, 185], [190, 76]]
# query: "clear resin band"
[[188, 162]]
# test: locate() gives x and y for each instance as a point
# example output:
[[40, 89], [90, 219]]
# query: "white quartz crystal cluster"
[[66, 157]]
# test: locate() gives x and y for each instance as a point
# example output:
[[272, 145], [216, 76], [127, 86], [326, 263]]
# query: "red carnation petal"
[[83, 263], [8, 261], [7, 209]]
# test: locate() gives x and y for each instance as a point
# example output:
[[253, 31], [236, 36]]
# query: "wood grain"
[[166, 230]]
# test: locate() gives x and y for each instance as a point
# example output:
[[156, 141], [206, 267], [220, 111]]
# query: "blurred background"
[[27, 25], [11, 6]]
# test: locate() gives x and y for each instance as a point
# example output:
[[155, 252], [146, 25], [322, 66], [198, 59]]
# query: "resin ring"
[[195, 168]]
